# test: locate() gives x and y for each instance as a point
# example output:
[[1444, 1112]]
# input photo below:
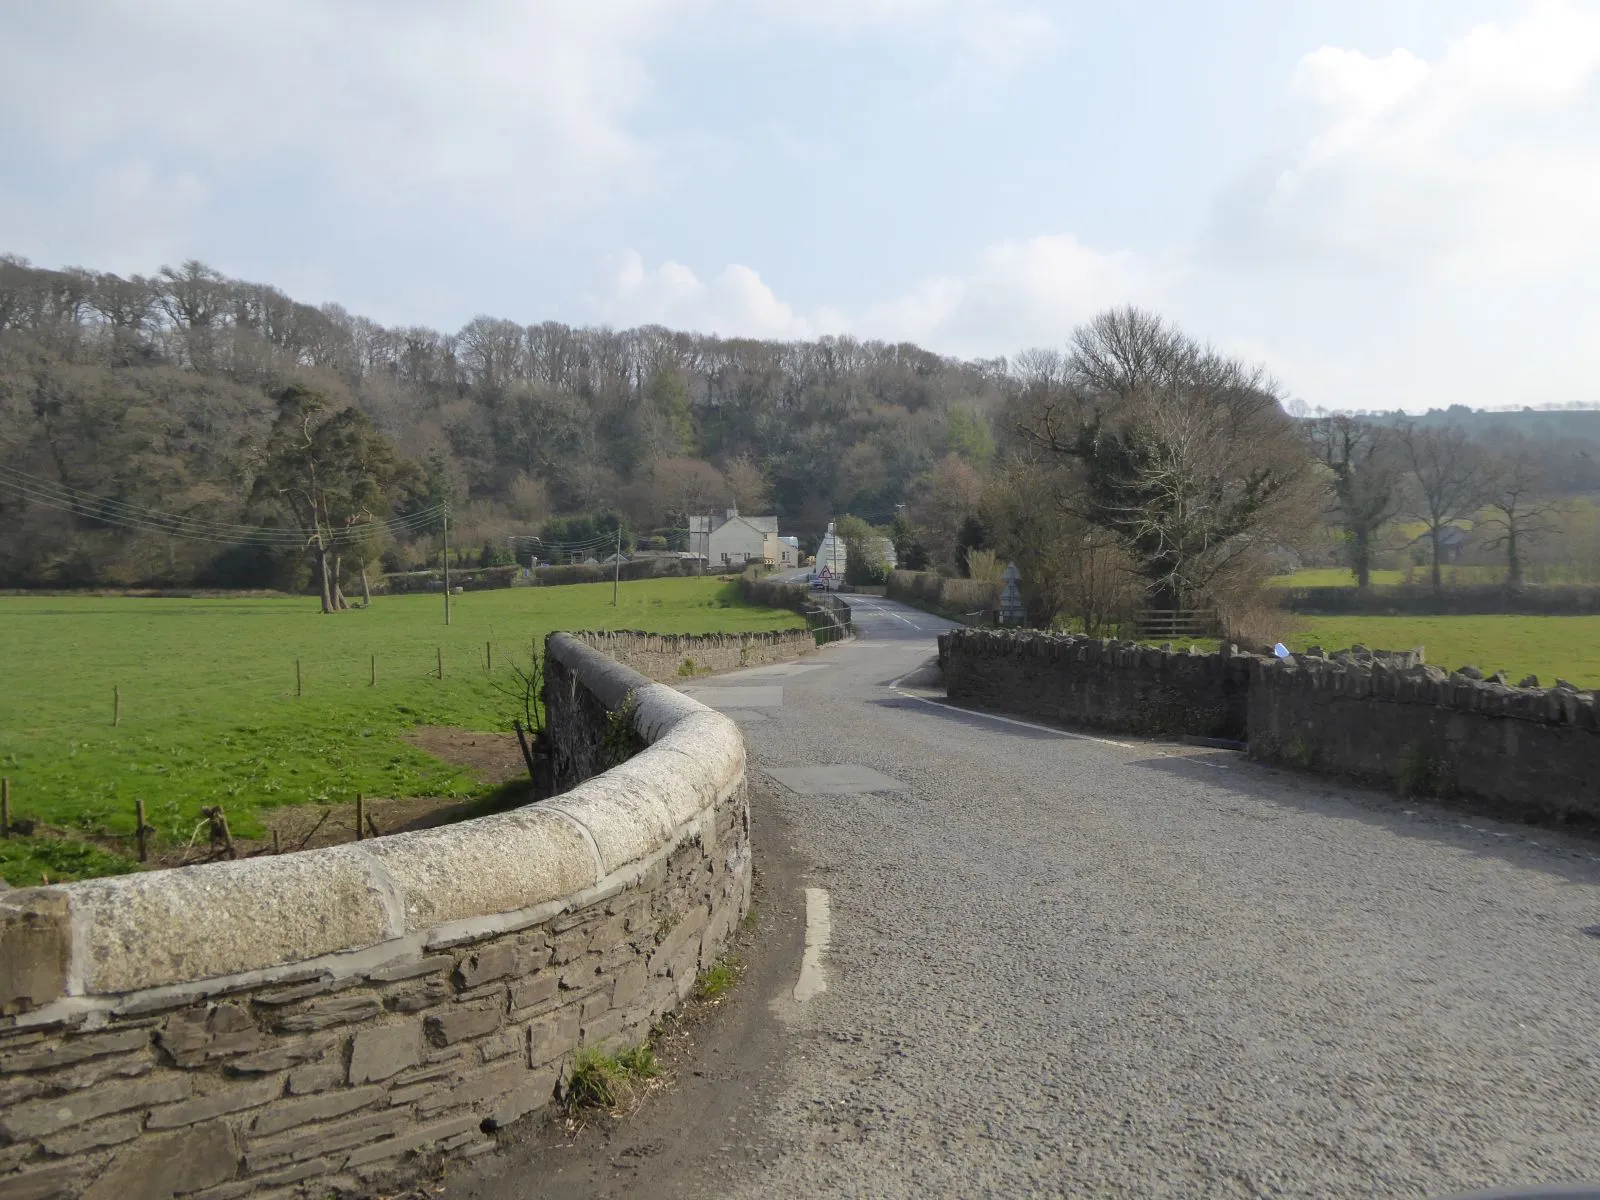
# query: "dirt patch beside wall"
[[491, 757]]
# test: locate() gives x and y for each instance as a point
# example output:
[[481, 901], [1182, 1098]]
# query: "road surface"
[[1062, 964]]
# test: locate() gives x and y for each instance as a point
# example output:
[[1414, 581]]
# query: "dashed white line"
[[819, 927]]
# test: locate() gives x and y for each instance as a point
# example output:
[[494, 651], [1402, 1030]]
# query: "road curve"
[[1105, 966]]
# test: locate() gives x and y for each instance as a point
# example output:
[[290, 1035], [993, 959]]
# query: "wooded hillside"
[[157, 393]]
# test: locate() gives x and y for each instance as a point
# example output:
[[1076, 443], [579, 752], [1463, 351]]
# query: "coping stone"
[[200, 922]]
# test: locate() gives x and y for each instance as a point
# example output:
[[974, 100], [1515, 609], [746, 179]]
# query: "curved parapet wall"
[[320, 1020]]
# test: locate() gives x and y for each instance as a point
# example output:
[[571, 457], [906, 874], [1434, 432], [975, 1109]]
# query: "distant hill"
[[1568, 439]]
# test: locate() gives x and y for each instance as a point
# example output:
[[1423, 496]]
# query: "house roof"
[[714, 522]]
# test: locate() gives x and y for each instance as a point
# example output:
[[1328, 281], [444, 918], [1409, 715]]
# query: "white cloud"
[[1015, 294], [128, 217], [983, 39], [1482, 164], [515, 107], [735, 303], [1018, 294]]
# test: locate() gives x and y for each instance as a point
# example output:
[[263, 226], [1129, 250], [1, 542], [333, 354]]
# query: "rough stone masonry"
[[1380, 717], [325, 1022]]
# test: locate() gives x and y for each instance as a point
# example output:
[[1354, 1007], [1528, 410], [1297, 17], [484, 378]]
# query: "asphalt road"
[[1060, 965]]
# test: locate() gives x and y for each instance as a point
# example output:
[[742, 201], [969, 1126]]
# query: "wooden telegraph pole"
[[616, 566], [447, 565]]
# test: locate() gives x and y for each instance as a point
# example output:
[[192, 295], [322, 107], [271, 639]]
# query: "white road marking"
[[819, 926], [987, 716]]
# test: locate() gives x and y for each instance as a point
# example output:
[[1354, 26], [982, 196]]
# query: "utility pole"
[[616, 567], [447, 564]]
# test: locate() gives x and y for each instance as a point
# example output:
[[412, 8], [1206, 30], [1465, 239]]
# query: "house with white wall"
[[732, 540]]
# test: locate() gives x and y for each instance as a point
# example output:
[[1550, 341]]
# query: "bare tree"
[[1520, 514], [1187, 457], [748, 488], [1068, 565], [1451, 481], [1366, 470]]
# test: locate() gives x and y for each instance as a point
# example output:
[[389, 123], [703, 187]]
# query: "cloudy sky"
[[1389, 202]]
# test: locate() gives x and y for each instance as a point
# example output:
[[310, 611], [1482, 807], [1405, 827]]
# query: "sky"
[[1388, 203]]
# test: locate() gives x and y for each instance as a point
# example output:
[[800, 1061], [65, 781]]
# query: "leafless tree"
[[1068, 565], [1521, 512], [1365, 469], [1187, 456], [1451, 482], [748, 488]]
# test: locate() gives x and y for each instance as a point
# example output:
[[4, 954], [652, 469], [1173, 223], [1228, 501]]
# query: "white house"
[[788, 551], [732, 540], [831, 553]]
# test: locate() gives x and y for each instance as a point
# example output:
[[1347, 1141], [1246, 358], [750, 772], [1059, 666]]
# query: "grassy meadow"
[[1549, 647], [209, 713]]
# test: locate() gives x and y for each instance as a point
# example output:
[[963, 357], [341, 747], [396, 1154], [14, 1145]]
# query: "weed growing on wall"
[[621, 741], [597, 1080], [1420, 773]]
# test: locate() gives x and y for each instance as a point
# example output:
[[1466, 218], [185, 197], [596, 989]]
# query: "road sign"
[[1011, 610]]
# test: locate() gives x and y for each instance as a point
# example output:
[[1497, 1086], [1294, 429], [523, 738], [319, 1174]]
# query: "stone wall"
[[333, 1022], [1381, 717], [828, 616], [1117, 686], [1531, 753], [669, 656]]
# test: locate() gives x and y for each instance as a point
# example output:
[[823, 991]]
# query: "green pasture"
[[1331, 577], [1549, 647], [209, 712]]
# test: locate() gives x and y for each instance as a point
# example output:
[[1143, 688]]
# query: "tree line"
[[1133, 467], [164, 391]]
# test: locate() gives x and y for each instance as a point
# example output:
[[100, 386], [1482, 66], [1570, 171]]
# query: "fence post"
[[138, 816], [297, 677], [373, 680], [116, 704], [5, 806], [439, 653], [361, 816], [488, 656]]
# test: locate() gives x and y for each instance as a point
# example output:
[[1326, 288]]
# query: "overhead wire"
[[124, 514], [90, 505]]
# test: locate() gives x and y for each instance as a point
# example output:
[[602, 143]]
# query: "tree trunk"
[[366, 588], [1361, 558], [1438, 575], [339, 601], [1513, 560], [322, 576]]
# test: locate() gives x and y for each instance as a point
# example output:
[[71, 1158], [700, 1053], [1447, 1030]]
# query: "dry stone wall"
[[334, 1022], [1531, 753], [1117, 686], [669, 656], [1381, 717]]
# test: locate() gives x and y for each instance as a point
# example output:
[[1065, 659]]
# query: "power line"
[[126, 515]]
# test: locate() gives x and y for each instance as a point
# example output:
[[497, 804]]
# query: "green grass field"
[[209, 712], [1331, 577], [1568, 647]]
